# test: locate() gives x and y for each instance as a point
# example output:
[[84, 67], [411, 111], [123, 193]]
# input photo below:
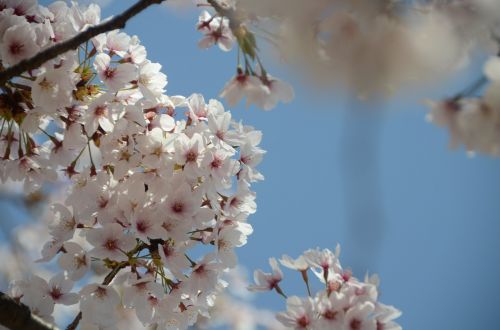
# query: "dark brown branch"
[[17, 316], [117, 22], [74, 323]]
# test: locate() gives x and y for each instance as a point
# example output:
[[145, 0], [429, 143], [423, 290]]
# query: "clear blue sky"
[[383, 184]]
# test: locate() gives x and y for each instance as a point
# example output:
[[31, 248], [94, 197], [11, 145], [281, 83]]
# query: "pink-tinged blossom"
[[99, 114], [244, 85], [299, 264], [181, 203], [242, 201], [189, 152], [230, 237], [64, 224], [115, 77], [111, 242], [343, 303], [147, 224], [360, 317], [174, 257], [53, 89], [143, 173], [58, 290], [300, 313], [155, 147], [98, 305], [137, 291], [385, 315], [19, 43], [205, 274], [117, 42], [279, 91], [151, 80], [331, 309], [198, 110], [75, 261], [32, 293], [267, 281], [216, 31]]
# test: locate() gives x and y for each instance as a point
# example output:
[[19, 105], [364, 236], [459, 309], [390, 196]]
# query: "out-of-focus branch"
[[17, 316], [118, 22]]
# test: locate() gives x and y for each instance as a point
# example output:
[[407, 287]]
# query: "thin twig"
[[118, 22]]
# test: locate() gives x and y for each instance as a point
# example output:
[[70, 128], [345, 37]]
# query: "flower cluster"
[[338, 42], [345, 303], [473, 121], [158, 200], [253, 82]]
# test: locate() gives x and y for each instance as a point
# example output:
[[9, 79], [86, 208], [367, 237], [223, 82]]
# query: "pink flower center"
[[110, 244], [55, 293], [241, 78], [220, 135], [355, 324], [153, 300], [177, 207], [330, 315], [102, 202], [216, 163], [142, 226], [19, 11], [191, 156], [101, 111], [16, 48], [200, 270], [303, 321], [235, 202], [109, 73], [101, 292]]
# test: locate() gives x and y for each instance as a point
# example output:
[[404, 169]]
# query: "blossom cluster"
[[253, 82], [345, 303], [338, 42], [158, 198], [473, 122]]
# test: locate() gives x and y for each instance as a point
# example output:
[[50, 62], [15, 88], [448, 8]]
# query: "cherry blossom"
[[267, 281], [147, 184], [19, 43], [110, 242], [216, 30], [345, 303]]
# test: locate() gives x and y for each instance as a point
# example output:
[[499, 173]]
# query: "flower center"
[[191, 156], [355, 324], [330, 315], [101, 111], [177, 207], [142, 226], [46, 85], [216, 163], [303, 321], [16, 48], [55, 293], [110, 244], [109, 73]]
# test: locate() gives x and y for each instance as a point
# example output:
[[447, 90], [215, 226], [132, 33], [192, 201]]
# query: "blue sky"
[[380, 181]]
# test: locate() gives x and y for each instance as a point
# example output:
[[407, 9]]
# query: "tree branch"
[[17, 316], [36, 61]]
